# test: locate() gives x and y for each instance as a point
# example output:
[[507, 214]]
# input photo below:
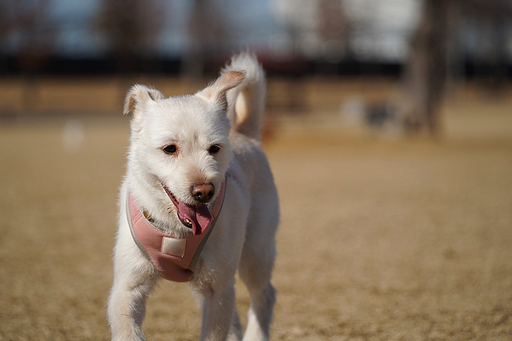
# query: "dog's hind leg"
[[235, 333], [220, 319], [255, 270]]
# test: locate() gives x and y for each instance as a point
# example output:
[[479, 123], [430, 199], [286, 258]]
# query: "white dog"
[[198, 203]]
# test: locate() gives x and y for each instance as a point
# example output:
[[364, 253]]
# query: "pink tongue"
[[198, 215]]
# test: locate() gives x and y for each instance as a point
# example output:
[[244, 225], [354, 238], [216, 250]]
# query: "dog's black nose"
[[203, 192]]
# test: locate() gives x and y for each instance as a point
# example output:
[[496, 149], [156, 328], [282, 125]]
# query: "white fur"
[[243, 238]]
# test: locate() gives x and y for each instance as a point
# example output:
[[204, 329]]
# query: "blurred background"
[[372, 61], [388, 130]]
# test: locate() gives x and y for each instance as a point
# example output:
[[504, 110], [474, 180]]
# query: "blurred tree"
[[433, 48], [130, 28], [34, 28], [493, 18], [425, 72], [206, 35], [32, 25], [333, 30]]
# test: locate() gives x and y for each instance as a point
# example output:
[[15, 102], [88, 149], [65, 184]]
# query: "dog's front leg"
[[220, 320], [126, 309], [134, 278]]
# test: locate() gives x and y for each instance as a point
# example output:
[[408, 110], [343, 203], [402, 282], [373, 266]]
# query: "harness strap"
[[176, 258]]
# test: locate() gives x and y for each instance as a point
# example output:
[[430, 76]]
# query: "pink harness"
[[174, 257]]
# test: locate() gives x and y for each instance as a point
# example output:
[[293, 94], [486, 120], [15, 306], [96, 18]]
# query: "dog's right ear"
[[138, 96]]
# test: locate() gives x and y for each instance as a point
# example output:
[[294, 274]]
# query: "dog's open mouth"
[[197, 217]]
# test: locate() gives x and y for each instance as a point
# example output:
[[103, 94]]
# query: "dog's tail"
[[247, 100]]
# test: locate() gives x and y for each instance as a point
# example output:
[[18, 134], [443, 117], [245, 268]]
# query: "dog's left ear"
[[217, 91]]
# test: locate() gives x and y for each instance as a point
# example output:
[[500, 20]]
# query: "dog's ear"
[[138, 95], [217, 91]]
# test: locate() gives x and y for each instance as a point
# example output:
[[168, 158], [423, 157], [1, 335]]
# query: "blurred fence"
[[105, 95]]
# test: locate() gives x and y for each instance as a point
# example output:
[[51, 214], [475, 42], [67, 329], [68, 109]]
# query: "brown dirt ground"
[[380, 239]]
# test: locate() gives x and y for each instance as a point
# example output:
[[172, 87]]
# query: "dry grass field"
[[381, 239]]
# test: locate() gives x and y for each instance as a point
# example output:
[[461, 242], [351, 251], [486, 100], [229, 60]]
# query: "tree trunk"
[[425, 74]]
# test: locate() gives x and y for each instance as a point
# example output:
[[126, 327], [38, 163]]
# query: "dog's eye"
[[170, 149], [214, 149]]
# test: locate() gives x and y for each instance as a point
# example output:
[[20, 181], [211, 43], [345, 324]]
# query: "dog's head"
[[180, 151]]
